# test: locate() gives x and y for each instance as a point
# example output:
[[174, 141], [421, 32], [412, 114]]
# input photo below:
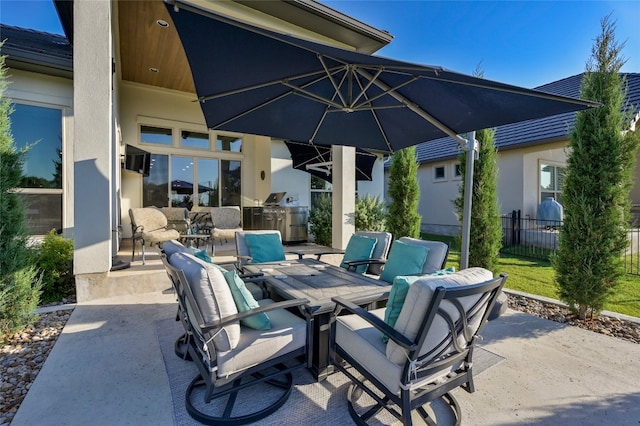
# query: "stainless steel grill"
[[290, 220]]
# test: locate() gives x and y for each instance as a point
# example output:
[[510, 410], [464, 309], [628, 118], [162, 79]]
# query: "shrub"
[[370, 214], [55, 259], [320, 220], [19, 280]]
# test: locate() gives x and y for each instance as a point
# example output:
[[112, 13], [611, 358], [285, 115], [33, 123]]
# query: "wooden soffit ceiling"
[[146, 46]]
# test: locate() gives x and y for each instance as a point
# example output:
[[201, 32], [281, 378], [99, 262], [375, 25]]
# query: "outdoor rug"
[[323, 403]]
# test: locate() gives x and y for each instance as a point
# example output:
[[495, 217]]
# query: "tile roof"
[[531, 132], [37, 50]]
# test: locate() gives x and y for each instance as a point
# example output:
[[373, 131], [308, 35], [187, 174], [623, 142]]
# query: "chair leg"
[[133, 253], [143, 252]]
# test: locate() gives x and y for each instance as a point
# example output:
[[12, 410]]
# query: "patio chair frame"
[[448, 354], [276, 372]]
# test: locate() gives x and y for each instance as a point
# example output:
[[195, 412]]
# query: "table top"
[[313, 249], [316, 281]]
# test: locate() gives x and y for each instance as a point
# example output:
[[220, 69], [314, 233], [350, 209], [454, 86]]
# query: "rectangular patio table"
[[318, 282], [313, 249]]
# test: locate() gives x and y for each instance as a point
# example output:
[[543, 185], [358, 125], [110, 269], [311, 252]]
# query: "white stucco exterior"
[[518, 185], [102, 114]]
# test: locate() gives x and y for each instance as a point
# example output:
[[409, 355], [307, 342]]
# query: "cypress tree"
[[598, 179], [486, 228], [19, 281], [403, 219]]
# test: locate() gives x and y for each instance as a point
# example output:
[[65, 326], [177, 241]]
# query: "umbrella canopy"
[[316, 159], [184, 187], [252, 80]]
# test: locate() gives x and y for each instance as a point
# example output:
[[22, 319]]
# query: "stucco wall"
[[146, 105], [518, 185]]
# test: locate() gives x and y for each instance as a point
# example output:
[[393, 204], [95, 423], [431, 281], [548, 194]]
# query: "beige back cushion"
[[417, 302], [151, 218], [436, 256], [228, 217], [212, 295]]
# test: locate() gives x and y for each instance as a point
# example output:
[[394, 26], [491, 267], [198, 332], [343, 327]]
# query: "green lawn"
[[537, 277]]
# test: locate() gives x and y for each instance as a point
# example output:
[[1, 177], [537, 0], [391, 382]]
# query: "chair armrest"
[[246, 314], [385, 328], [322, 253], [352, 264]]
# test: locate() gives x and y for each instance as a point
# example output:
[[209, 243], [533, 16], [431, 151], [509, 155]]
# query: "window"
[[318, 187], [154, 186], [551, 182], [457, 172], [229, 143], [40, 129], [194, 140], [439, 173], [219, 182], [156, 135]]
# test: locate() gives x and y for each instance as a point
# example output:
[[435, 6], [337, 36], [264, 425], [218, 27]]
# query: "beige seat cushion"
[[288, 333], [154, 224]]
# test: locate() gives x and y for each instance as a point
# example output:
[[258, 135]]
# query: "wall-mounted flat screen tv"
[[137, 160]]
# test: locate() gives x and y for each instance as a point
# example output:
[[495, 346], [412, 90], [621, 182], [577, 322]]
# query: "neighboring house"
[[121, 79], [532, 158]]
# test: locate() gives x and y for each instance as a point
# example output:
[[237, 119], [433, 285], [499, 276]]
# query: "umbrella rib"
[[311, 95], [205, 98], [415, 108], [369, 83], [269, 101], [375, 117], [385, 92], [330, 77]]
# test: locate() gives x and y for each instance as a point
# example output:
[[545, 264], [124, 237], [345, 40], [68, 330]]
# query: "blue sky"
[[526, 43]]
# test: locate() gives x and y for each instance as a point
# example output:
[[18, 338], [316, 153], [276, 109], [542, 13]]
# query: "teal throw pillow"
[[244, 301], [201, 254], [264, 247], [398, 293], [450, 270], [359, 248], [404, 259]]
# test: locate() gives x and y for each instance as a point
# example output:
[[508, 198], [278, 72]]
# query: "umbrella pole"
[[472, 151]]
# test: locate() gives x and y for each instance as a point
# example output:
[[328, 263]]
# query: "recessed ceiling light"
[[162, 23], [156, 70]]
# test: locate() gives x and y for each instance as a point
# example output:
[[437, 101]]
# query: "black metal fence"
[[538, 239]]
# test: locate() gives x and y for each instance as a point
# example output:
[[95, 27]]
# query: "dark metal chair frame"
[[446, 354], [276, 372]]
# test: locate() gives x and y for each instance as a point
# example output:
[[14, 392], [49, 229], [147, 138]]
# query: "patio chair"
[[221, 222], [258, 247], [178, 219], [235, 362], [149, 226], [364, 256], [429, 351], [409, 256]]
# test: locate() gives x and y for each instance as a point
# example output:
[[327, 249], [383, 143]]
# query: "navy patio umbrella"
[[256, 81], [316, 160], [252, 80]]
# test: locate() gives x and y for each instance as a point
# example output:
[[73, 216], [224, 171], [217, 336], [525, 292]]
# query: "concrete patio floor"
[[107, 369]]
